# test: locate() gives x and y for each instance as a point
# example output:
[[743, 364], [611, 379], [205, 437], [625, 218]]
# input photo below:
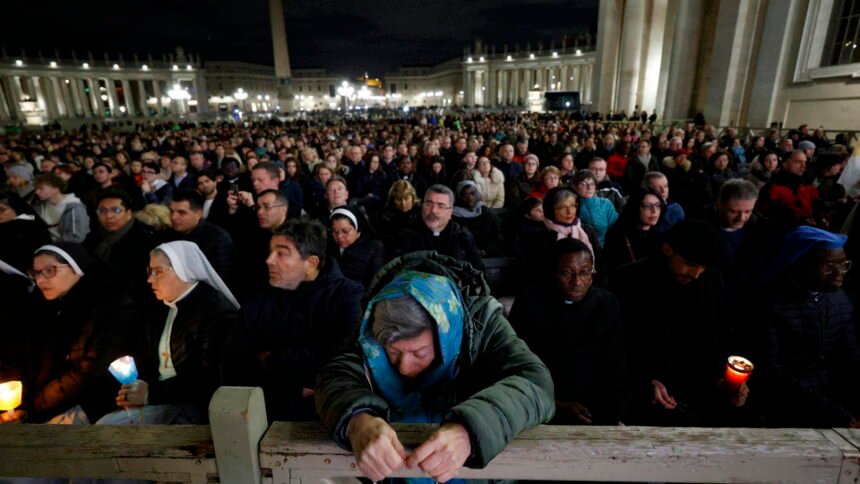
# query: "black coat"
[[487, 232], [19, 239], [204, 318], [674, 335], [15, 301], [810, 357], [303, 329], [360, 261], [72, 342], [455, 241], [215, 243], [582, 344], [130, 257]]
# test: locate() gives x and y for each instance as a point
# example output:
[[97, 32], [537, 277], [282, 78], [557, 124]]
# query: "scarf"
[[571, 231], [103, 250], [406, 400]]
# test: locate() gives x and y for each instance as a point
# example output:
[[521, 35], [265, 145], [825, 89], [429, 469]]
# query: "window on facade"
[[331, 90], [393, 88], [406, 86], [843, 36], [300, 88]]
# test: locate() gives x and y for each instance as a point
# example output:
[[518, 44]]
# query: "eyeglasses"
[[266, 206], [656, 207], [842, 267], [148, 172], [48, 272], [569, 275], [584, 184], [157, 271], [114, 210], [439, 205]]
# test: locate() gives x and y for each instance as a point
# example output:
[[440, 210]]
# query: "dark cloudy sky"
[[343, 36]]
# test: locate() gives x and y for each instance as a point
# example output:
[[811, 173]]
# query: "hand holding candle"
[[124, 369], [738, 369]]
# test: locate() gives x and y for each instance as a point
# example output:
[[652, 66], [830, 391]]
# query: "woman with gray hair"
[[433, 347]]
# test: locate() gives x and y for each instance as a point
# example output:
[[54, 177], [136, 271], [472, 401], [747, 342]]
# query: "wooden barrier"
[[176, 453], [296, 451], [290, 452]]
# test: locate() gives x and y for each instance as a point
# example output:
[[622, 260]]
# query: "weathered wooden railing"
[[239, 449]]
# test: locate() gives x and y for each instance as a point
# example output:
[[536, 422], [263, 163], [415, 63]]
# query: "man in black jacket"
[[290, 329], [123, 242], [186, 217], [436, 231], [672, 310], [576, 330]]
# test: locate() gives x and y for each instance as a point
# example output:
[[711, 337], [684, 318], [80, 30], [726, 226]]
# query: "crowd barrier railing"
[[239, 447]]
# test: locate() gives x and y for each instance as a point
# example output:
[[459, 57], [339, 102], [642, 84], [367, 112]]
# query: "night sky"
[[343, 36]]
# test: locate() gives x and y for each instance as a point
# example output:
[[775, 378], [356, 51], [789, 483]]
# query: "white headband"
[[65, 255], [346, 213]]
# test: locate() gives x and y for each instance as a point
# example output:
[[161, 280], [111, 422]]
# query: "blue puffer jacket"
[[599, 213], [811, 356]]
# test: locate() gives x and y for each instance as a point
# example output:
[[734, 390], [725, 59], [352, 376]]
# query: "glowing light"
[[53, 64], [509, 58], [145, 67], [124, 369], [116, 67], [10, 395], [532, 56], [19, 62], [555, 54], [469, 59], [86, 65], [175, 67]]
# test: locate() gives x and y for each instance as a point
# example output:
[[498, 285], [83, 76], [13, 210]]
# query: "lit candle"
[[124, 369], [10, 395], [738, 369]]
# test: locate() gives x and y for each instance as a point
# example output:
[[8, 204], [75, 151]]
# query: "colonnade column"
[[157, 91], [141, 88], [682, 74], [113, 98], [127, 97], [5, 111], [491, 94], [76, 90]]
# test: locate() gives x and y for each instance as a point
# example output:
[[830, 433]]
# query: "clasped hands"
[[379, 453]]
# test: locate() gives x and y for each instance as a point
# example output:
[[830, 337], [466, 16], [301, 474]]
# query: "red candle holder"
[[738, 369]]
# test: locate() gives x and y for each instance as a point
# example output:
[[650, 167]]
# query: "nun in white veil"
[[180, 365]]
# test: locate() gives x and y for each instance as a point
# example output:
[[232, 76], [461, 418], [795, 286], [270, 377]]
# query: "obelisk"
[[282, 56]]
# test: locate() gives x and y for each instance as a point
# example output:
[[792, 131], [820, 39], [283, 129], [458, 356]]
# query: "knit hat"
[[806, 145], [696, 241], [20, 171]]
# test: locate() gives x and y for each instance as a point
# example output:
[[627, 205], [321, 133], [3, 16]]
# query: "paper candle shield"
[[124, 369], [10, 395]]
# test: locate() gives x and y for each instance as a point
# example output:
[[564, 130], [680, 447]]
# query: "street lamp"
[[240, 95], [179, 94], [345, 90]]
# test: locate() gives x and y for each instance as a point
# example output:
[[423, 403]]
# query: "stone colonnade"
[[36, 94], [505, 80]]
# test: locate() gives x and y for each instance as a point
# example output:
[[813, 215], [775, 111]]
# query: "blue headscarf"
[[441, 299], [797, 245]]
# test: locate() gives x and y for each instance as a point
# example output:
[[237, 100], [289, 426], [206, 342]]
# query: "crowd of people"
[[311, 257]]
